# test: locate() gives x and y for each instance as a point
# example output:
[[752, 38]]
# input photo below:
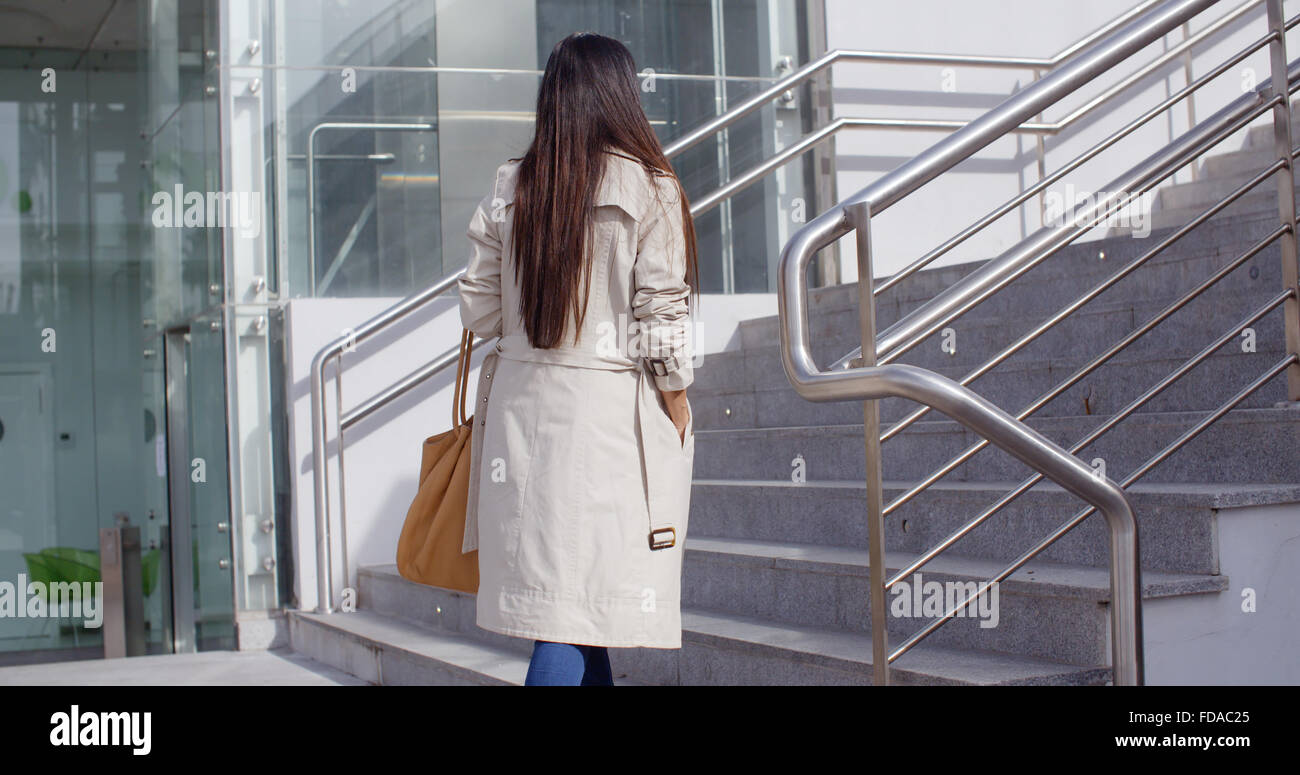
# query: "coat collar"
[[626, 184]]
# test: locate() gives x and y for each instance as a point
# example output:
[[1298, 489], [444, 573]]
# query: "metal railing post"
[[1187, 79], [320, 428], [320, 484], [1282, 147], [859, 218]]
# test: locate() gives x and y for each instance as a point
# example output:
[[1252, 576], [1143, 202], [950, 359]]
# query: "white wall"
[[382, 453], [1210, 639], [1009, 28]]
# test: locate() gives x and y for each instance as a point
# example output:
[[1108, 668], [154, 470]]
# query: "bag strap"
[[462, 379]]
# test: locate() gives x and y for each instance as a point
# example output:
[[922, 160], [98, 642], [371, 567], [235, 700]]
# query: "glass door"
[[200, 549]]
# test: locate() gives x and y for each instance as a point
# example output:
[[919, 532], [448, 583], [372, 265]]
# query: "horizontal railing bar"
[[991, 277], [1097, 433], [1158, 62], [376, 157], [1010, 113], [399, 310], [1074, 164], [1242, 395], [405, 384], [806, 143], [751, 176], [1078, 303], [1087, 369], [785, 155], [808, 71], [489, 71]]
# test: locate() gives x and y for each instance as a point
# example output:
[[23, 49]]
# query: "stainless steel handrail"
[[828, 227], [333, 352], [856, 213], [1040, 128], [924, 558], [1186, 92], [870, 382], [815, 67], [1289, 296], [998, 272], [1288, 361], [751, 176], [404, 386], [867, 383], [1099, 360], [1089, 296]]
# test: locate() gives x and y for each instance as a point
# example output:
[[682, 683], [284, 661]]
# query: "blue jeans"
[[566, 664]]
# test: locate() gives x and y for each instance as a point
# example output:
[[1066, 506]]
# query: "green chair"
[[68, 565]]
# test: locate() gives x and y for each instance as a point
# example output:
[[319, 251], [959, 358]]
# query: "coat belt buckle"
[[663, 543], [662, 367]]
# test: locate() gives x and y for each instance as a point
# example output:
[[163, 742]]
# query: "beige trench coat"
[[580, 460]]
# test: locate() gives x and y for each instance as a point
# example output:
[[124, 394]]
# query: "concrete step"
[[1249, 157], [720, 649], [729, 649], [1070, 343], [1067, 274], [1260, 204], [1208, 190], [1244, 446], [1012, 386], [986, 330], [1177, 523], [1261, 136], [389, 651], [1045, 610]]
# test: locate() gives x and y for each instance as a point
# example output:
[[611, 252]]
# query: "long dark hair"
[[588, 101]]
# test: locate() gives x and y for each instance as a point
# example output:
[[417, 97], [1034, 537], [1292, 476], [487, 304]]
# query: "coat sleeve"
[[480, 286], [660, 299]]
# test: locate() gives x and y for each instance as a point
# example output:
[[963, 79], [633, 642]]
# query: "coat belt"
[[658, 475], [517, 347]]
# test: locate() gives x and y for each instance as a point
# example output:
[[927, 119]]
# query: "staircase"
[[1220, 175], [776, 586]]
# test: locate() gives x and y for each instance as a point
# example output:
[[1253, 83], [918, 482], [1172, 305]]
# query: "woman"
[[583, 262]]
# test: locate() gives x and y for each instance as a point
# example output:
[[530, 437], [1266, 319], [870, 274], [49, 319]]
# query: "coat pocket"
[[688, 441], [682, 444]]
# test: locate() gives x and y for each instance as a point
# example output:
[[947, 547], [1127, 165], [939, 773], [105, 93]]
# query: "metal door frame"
[[179, 533]]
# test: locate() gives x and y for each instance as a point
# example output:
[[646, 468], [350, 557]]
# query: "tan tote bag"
[[429, 548]]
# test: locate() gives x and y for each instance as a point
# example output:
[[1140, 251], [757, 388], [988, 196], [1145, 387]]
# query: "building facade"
[[178, 173]]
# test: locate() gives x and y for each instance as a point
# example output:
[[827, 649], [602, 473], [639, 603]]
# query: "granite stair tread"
[[1036, 578], [1217, 495], [852, 652]]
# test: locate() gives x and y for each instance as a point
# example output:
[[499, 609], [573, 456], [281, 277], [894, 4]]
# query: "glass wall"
[[185, 311], [91, 285], [407, 107]]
